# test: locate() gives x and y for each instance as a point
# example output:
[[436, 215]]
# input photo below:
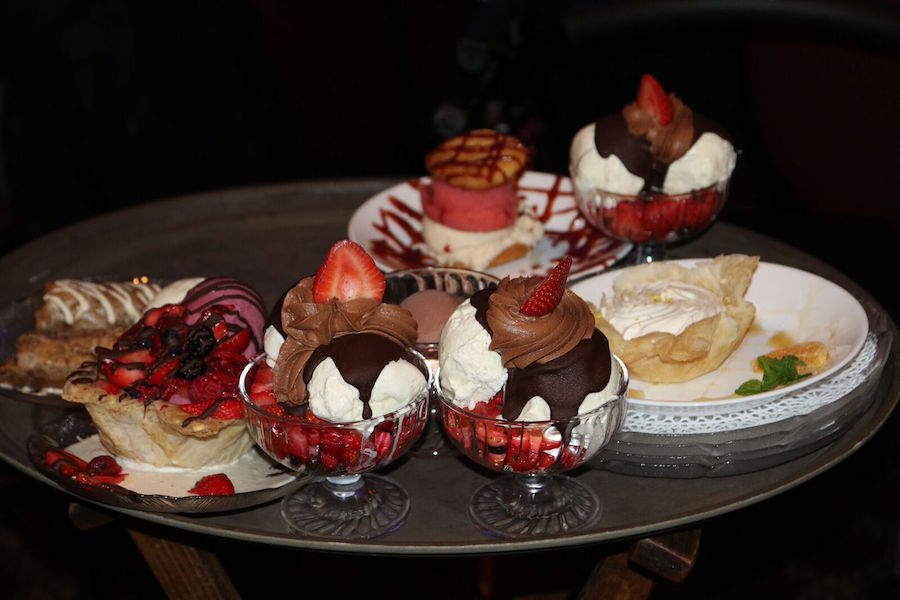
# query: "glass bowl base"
[[351, 507], [519, 506]]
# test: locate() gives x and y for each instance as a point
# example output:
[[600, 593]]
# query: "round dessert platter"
[[444, 288], [701, 427], [290, 225], [389, 226]]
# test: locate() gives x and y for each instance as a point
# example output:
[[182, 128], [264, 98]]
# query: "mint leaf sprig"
[[776, 372]]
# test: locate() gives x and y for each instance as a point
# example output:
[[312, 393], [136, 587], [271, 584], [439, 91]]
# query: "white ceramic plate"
[[791, 305], [389, 226]]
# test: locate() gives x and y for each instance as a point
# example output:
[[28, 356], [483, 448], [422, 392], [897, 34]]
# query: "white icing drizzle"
[[106, 295]]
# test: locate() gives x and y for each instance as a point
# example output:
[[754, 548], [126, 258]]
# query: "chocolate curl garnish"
[[523, 340], [308, 325], [667, 142]]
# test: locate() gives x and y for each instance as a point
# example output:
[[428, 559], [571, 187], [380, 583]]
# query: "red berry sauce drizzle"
[[402, 246]]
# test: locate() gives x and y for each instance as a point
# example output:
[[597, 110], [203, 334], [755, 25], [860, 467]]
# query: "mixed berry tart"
[[166, 392]]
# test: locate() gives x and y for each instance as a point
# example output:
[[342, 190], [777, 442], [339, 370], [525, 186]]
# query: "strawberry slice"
[[140, 356], [235, 343], [549, 292], [653, 98], [213, 485], [347, 273], [122, 376], [662, 216]]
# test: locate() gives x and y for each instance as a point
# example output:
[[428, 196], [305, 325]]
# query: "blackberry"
[[201, 341], [191, 368]]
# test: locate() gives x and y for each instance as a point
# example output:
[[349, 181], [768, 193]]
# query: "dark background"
[[106, 104]]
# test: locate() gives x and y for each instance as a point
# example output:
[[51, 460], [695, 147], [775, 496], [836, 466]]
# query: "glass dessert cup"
[[342, 500], [652, 220], [461, 283], [533, 499]]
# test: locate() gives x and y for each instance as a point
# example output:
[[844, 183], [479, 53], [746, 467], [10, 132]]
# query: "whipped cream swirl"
[[522, 340], [660, 307]]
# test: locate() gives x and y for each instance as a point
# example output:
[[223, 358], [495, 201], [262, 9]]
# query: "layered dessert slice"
[[472, 213], [73, 318]]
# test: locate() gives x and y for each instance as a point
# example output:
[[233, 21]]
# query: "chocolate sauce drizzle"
[[360, 358]]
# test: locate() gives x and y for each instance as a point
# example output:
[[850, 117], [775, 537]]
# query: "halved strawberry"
[[103, 465], [347, 273], [123, 376], [629, 221], [154, 315], [549, 292], [653, 98], [235, 343], [700, 209], [213, 485], [140, 356], [298, 444], [160, 373]]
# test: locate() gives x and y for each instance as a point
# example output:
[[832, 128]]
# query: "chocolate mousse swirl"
[[523, 340], [667, 142], [308, 325]]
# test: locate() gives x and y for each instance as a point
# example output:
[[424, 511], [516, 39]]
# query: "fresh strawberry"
[[383, 441], [298, 444], [220, 329], [141, 356], [547, 295], [121, 375], [235, 343], [653, 98], [329, 461], [229, 409], [629, 221], [662, 216], [103, 465], [160, 373], [347, 273], [153, 316], [225, 362], [278, 441], [207, 387], [546, 461], [213, 485], [701, 208]]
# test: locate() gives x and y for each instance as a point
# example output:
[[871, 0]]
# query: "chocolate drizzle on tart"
[[189, 355]]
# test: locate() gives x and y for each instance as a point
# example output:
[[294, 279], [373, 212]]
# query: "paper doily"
[[783, 407]]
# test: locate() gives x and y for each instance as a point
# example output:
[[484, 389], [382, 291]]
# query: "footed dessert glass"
[[342, 500], [652, 220], [533, 499], [459, 283]]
